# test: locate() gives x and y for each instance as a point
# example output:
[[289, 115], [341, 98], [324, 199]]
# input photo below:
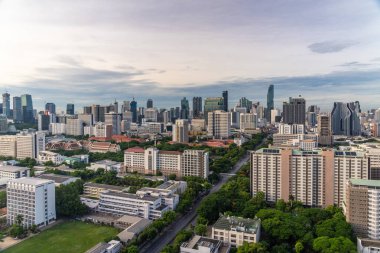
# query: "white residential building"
[[46, 156], [33, 198], [57, 128], [150, 115], [29, 144], [219, 124], [248, 120], [74, 127], [8, 145], [236, 230], [13, 172], [181, 131]]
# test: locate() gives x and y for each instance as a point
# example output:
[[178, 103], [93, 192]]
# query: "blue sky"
[[94, 51]]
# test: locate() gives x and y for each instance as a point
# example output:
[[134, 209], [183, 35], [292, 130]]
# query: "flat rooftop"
[[237, 224], [105, 186], [31, 181], [57, 178], [9, 168], [366, 182], [131, 196], [197, 241]]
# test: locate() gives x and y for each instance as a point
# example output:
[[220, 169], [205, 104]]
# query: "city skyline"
[[169, 50]]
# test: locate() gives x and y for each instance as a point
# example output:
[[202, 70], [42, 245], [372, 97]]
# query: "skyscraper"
[[181, 131], [70, 109], [294, 111], [324, 130], [113, 119], [17, 109], [213, 104], [27, 108], [133, 107], [219, 124], [50, 107], [244, 102], [6, 104], [149, 103], [197, 107], [225, 100], [270, 102], [185, 108], [345, 119]]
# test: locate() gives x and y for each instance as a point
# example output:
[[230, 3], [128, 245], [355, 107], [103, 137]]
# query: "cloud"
[[355, 64], [330, 46]]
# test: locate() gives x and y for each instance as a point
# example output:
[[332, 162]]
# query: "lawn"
[[67, 237]]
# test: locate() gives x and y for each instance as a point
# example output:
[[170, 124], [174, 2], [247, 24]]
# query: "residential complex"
[[152, 161], [33, 199]]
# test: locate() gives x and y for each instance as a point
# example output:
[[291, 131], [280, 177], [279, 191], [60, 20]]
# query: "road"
[[172, 230]]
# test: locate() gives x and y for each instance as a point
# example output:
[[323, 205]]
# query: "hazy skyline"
[[86, 52]]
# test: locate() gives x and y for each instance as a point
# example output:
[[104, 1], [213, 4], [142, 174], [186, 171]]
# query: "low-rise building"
[[94, 190], [12, 172], [104, 247], [368, 245], [48, 156], [236, 230], [132, 226], [103, 147], [33, 199], [59, 179], [168, 197], [199, 244], [106, 165]]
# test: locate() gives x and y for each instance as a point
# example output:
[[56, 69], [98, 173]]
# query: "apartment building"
[[120, 203], [13, 172], [8, 145], [362, 207], [181, 131], [48, 156], [57, 128], [248, 121], [33, 198], [316, 178], [219, 124], [152, 161], [29, 144], [74, 127], [236, 230]]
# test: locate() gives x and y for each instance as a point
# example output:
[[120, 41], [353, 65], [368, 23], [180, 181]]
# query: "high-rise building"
[[248, 121], [33, 199], [3, 124], [98, 112], [149, 103], [113, 119], [6, 104], [181, 131], [27, 108], [185, 108], [88, 119], [219, 124], [345, 119], [274, 113], [225, 100], [29, 144], [244, 102], [197, 107], [324, 130], [70, 109], [362, 208], [44, 120], [125, 106], [50, 107], [270, 102], [133, 107], [316, 178], [151, 115], [294, 111], [74, 127], [17, 109], [212, 104]]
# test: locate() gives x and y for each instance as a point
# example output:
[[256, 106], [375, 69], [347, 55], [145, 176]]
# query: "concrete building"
[[8, 145], [112, 246], [248, 121], [365, 245], [316, 178], [57, 128], [113, 119], [294, 111], [13, 172], [74, 127], [168, 198], [324, 130], [106, 165], [219, 124], [291, 128], [100, 129], [3, 124], [181, 131], [48, 156], [152, 161], [345, 119], [213, 104], [33, 198], [236, 230], [94, 190], [197, 107], [29, 144], [151, 115], [198, 125], [199, 244], [59, 179]]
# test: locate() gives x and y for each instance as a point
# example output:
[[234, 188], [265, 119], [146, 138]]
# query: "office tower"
[[50, 107], [115, 107], [1, 108], [248, 121], [33, 199], [212, 104], [181, 131], [44, 120], [6, 104], [133, 107], [113, 119], [149, 103], [98, 112], [363, 207], [125, 106], [225, 100], [219, 124], [27, 108], [29, 144], [235, 116], [294, 111], [345, 119], [244, 102], [270, 103], [87, 119], [274, 113], [74, 127], [185, 108], [316, 178], [151, 115], [324, 130], [70, 109], [17, 109], [87, 110], [197, 107], [3, 124]]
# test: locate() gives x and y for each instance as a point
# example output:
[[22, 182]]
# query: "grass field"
[[67, 237]]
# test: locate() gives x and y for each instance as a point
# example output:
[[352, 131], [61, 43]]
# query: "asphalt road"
[[172, 230]]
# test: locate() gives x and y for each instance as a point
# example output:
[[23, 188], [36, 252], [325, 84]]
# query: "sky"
[[95, 51]]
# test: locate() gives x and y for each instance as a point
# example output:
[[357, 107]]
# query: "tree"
[[252, 248], [299, 247], [172, 176], [334, 227], [68, 201], [200, 229], [3, 199], [340, 244]]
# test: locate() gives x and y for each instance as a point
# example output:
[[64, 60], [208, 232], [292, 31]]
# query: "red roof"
[[135, 150]]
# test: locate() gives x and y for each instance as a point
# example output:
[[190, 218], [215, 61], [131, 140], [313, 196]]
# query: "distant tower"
[[270, 102], [6, 104], [50, 107], [294, 111], [184, 108], [133, 107], [197, 107], [225, 100], [70, 109], [149, 103]]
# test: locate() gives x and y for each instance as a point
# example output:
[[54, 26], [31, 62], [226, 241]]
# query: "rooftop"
[[365, 182], [106, 162], [198, 241], [9, 168], [56, 178], [131, 196], [105, 186], [31, 181], [135, 150], [237, 224]]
